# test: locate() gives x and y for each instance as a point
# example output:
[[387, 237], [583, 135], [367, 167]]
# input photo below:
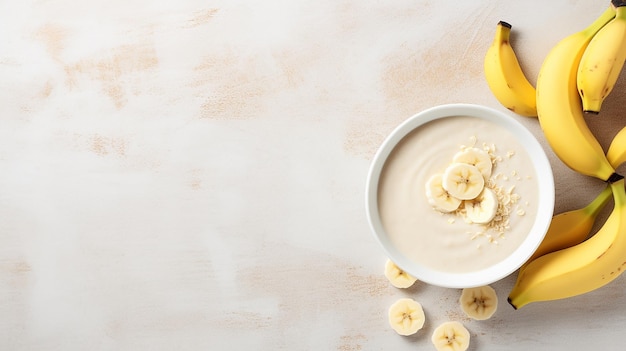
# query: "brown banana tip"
[[591, 112], [508, 299], [614, 178], [505, 24], [618, 3]]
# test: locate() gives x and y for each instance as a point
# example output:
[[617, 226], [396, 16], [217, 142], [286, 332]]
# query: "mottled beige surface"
[[190, 175]]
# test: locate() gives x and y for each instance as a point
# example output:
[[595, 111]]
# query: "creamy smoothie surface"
[[462, 234]]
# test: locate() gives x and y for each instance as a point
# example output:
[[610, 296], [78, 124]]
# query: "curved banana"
[[572, 227], [616, 154], [602, 62], [581, 268], [559, 108], [505, 77]]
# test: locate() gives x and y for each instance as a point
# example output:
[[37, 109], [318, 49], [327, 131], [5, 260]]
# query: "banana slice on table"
[[451, 336], [397, 277], [475, 157], [463, 181], [438, 197], [483, 208], [479, 303], [406, 316]]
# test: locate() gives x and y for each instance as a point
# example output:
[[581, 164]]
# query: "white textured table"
[[190, 175]]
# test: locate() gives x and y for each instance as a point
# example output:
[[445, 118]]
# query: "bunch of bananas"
[[575, 78]]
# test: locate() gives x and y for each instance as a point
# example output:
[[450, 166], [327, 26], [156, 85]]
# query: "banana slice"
[[475, 157], [483, 208], [438, 197], [463, 181], [479, 303], [451, 336], [406, 316], [397, 277]]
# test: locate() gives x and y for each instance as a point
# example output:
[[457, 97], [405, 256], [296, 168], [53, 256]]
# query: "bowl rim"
[[505, 267]]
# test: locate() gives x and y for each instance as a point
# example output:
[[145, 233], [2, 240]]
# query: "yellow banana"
[[616, 154], [572, 227], [581, 268], [559, 107], [602, 61], [505, 77]]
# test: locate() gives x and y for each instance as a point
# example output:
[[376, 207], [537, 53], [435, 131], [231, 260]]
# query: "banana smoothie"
[[458, 194]]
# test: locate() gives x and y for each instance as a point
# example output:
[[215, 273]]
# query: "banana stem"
[[604, 18], [620, 11], [503, 35], [599, 202]]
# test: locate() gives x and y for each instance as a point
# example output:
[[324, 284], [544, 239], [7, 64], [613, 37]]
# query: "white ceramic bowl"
[[527, 247]]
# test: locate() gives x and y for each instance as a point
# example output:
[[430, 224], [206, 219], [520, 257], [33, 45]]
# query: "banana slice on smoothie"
[[479, 303], [438, 197], [406, 316], [483, 208], [463, 181], [477, 158], [397, 277], [451, 336]]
